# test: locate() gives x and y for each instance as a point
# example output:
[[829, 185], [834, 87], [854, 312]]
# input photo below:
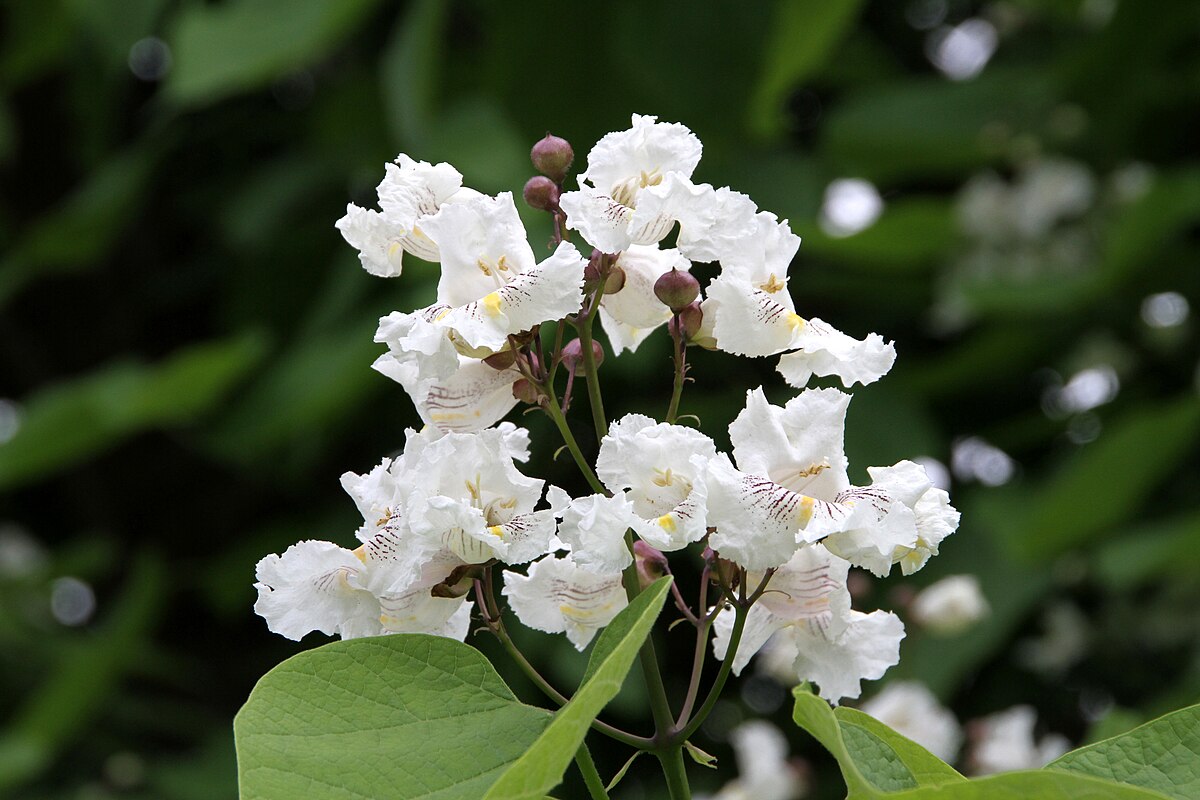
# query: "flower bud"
[[687, 323], [572, 353], [526, 392], [552, 157], [651, 563], [541, 193], [501, 360], [615, 282], [676, 289]]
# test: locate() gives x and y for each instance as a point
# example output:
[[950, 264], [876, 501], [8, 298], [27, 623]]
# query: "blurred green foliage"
[[185, 340]]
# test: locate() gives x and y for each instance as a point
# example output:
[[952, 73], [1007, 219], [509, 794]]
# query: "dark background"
[[185, 340]]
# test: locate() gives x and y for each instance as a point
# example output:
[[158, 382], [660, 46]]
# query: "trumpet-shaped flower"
[[788, 460], [594, 528], [559, 597], [662, 469], [468, 497], [317, 585], [632, 314], [628, 191], [790, 486], [410, 192]]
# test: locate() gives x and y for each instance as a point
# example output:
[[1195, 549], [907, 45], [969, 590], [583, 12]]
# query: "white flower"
[[559, 597], [319, 586], [761, 751], [410, 192], [632, 314], [474, 397], [788, 459], [790, 486], [662, 468], [750, 320], [594, 528], [910, 709], [418, 347], [468, 497], [951, 605], [629, 188], [806, 614], [1004, 742]]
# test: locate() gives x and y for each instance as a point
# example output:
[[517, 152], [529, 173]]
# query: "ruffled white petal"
[[648, 148], [379, 244], [315, 586], [760, 626], [752, 322], [757, 521], [551, 290], [799, 446], [664, 470], [601, 221], [824, 350], [416, 339], [559, 597], [865, 649], [482, 244], [594, 527], [762, 254], [419, 612], [713, 223]]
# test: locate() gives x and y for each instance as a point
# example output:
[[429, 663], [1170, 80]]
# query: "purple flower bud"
[[526, 392], [541, 193], [676, 289], [572, 353], [651, 563], [687, 323], [552, 157]]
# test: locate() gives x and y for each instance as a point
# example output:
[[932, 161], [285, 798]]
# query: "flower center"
[[626, 191]]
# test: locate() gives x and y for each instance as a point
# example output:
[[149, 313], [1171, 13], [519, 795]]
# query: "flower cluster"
[[778, 520]]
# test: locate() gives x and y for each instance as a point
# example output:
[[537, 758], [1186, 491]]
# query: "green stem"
[[595, 786], [702, 628], [660, 707], [714, 694], [589, 364], [673, 768], [560, 421], [495, 623], [680, 355]]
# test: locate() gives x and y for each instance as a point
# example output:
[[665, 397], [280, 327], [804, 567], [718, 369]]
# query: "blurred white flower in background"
[[1004, 741], [951, 605], [910, 709], [764, 772]]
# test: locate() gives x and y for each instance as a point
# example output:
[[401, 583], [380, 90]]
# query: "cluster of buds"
[[779, 522]]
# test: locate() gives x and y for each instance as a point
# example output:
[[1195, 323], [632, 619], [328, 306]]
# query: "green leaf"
[[410, 71], [68, 423], [802, 37], [1148, 552], [402, 716], [1123, 466], [931, 127], [1163, 755], [75, 692], [543, 765], [233, 47], [1031, 785], [872, 757], [699, 756]]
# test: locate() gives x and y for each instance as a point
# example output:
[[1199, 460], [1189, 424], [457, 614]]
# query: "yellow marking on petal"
[[491, 304], [441, 315], [361, 553], [667, 523], [795, 321], [806, 510], [392, 249], [497, 531]]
